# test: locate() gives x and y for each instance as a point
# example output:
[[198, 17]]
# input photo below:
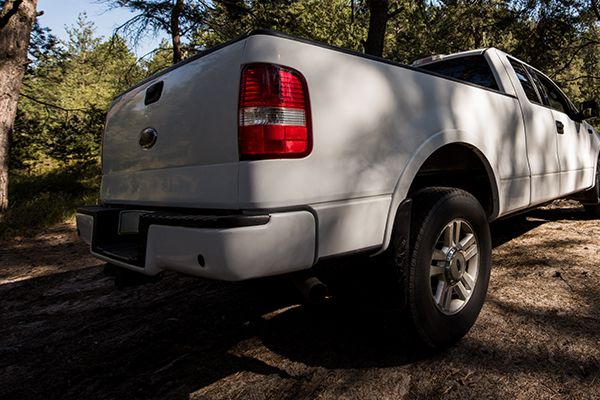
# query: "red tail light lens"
[[274, 114]]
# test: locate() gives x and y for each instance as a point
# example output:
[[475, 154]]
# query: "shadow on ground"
[[72, 335]]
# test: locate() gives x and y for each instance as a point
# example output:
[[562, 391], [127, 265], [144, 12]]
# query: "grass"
[[45, 196]]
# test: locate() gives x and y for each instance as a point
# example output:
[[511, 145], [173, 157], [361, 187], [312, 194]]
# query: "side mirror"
[[589, 109]]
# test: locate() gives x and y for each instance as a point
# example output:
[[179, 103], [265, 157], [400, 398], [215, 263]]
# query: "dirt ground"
[[66, 332]]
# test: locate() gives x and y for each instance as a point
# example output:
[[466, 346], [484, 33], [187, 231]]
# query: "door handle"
[[560, 127]]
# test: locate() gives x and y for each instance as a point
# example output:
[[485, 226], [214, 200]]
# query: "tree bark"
[[378, 18], [16, 20], [595, 9], [176, 32]]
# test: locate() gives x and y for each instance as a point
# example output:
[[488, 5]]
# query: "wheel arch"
[[435, 146]]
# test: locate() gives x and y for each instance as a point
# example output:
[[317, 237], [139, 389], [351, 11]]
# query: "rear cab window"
[[473, 69]]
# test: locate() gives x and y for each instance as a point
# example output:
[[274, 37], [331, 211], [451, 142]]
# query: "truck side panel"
[[374, 124]]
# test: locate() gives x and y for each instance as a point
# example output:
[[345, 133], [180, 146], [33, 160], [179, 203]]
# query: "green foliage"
[[449, 26], [161, 58], [46, 196], [78, 137], [42, 44], [65, 96], [153, 16], [336, 22]]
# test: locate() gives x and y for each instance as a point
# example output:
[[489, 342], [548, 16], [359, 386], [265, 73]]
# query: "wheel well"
[[459, 166]]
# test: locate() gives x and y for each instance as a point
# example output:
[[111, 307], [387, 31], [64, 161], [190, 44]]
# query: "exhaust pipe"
[[311, 288]]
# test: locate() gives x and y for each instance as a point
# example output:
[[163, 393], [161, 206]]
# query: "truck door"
[[575, 154], [542, 150]]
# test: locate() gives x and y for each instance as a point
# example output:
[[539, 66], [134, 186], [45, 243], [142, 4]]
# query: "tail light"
[[274, 113]]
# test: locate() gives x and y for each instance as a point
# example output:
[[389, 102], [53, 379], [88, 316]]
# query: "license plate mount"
[[129, 221]]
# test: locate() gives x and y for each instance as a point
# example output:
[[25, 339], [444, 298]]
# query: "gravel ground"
[[66, 332]]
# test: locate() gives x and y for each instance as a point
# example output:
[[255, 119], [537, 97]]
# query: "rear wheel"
[[449, 268], [594, 209]]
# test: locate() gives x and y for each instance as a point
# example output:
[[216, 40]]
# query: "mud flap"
[[400, 244]]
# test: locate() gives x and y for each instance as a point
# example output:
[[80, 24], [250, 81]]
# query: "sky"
[[61, 13]]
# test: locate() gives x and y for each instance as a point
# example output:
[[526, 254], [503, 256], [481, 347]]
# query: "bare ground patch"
[[66, 332]]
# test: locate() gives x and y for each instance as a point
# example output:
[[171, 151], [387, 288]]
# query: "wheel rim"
[[454, 266]]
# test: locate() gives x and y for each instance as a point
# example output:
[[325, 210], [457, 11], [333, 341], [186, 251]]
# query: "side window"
[[555, 98], [538, 85], [473, 69], [525, 81]]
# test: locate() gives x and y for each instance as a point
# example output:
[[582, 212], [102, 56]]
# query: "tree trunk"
[[378, 18], [16, 20], [175, 31], [596, 9]]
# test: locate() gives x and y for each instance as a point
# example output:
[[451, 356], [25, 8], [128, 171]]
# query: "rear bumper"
[[225, 247]]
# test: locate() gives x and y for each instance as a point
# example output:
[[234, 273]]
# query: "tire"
[[593, 210], [447, 279]]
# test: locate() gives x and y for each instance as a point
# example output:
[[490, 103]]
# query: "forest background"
[[68, 85]]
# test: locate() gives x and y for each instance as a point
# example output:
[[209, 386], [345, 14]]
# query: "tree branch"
[[580, 78], [573, 56], [53, 105]]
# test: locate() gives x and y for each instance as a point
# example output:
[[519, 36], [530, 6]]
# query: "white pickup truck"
[[269, 154]]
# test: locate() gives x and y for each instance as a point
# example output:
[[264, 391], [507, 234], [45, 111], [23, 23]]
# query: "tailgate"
[[191, 112]]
